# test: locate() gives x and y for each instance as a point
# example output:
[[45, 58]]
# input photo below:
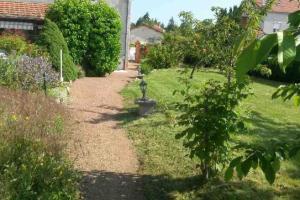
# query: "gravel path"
[[100, 147]]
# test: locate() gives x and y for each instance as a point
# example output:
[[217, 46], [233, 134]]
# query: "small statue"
[[143, 86]]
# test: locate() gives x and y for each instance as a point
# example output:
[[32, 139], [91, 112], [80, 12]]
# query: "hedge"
[[53, 40], [92, 32]]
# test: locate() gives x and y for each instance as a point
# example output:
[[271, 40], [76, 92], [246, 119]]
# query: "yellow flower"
[[27, 118], [14, 117]]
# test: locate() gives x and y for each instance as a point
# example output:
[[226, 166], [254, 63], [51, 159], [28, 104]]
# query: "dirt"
[[100, 147]]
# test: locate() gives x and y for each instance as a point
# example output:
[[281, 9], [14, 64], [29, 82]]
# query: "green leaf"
[[276, 165], [267, 169], [235, 162], [246, 165], [254, 54], [297, 43], [286, 49], [229, 174], [239, 171], [247, 60], [294, 19]]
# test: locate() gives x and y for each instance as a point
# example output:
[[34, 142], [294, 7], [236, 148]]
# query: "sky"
[[163, 10]]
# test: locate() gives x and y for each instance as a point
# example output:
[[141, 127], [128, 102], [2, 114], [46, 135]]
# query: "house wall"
[[275, 20], [123, 6], [145, 35]]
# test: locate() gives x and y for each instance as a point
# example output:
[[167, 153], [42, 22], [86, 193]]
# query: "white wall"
[[145, 35], [123, 6], [275, 20]]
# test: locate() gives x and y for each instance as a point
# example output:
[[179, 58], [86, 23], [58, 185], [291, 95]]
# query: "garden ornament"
[[143, 87]]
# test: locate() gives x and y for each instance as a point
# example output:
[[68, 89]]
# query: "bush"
[[28, 171], [33, 130], [145, 67], [53, 40], [161, 56], [104, 39], [27, 73], [17, 45], [92, 32]]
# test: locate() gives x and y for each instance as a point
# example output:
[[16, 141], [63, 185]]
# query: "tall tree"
[[171, 25]]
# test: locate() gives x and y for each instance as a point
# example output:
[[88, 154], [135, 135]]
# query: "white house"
[[146, 34], [277, 18]]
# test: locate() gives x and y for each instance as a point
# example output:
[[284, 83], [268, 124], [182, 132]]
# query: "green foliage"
[[28, 171], [104, 39], [11, 43], [73, 17], [288, 92], [163, 56], [8, 74], [145, 67], [253, 55], [17, 45], [147, 20], [92, 32], [52, 39], [208, 119], [32, 165]]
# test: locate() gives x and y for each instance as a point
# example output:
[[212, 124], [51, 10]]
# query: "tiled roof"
[[283, 6], [156, 28], [23, 10]]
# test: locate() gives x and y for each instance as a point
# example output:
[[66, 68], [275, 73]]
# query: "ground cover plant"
[[166, 170], [33, 131]]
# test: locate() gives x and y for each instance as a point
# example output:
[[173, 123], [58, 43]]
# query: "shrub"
[[8, 74], [208, 120], [104, 39], [74, 20], [33, 131], [31, 72], [14, 44], [145, 67], [53, 40], [161, 56], [28, 171], [92, 32], [27, 73]]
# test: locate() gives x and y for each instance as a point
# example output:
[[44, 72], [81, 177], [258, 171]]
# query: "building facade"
[[146, 35], [28, 16], [277, 18]]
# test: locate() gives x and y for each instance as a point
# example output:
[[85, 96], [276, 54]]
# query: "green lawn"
[[166, 171]]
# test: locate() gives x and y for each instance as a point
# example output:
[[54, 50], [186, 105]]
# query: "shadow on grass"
[[110, 185], [267, 129]]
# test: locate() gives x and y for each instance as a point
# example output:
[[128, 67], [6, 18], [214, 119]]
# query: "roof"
[[154, 27], [283, 6], [23, 10]]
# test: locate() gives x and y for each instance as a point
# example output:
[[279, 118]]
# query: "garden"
[[226, 124], [35, 123]]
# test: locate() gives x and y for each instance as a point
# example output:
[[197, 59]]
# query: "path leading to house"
[[99, 146]]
